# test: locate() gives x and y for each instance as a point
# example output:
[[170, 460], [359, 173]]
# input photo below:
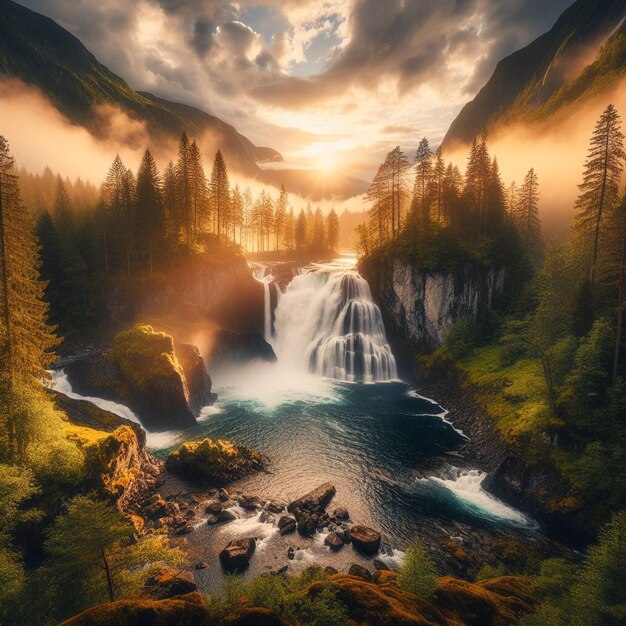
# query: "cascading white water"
[[261, 274], [327, 323]]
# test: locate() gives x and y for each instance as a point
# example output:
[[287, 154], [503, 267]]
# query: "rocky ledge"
[[164, 382], [496, 602], [213, 461]]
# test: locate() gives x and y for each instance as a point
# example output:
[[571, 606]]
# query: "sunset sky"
[[338, 81]]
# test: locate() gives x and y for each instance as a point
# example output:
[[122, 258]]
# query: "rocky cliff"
[[198, 286], [421, 305]]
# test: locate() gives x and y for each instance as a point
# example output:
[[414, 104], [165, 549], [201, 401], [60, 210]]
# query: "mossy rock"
[[183, 610], [215, 461]]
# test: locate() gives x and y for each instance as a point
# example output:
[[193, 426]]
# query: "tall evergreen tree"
[[422, 186], [26, 340], [198, 196], [220, 193], [599, 191], [280, 216], [149, 218], [332, 231], [300, 232], [183, 176], [526, 215]]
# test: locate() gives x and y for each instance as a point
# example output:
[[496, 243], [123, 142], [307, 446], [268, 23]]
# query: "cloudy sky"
[[323, 81]]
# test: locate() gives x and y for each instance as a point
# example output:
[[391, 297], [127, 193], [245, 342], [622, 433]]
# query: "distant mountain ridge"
[[40, 53], [584, 52]]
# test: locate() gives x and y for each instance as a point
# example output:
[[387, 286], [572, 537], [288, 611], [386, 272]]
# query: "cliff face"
[[196, 287], [421, 306]]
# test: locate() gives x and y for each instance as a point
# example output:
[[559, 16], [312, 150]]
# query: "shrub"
[[418, 574]]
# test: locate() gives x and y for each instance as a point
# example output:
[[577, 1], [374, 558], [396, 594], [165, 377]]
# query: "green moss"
[[143, 355], [216, 461]]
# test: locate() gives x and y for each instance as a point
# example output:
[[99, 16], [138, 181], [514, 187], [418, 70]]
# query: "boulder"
[[333, 541], [286, 525], [226, 515], [222, 494], [168, 583], [330, 570], [365, 540], [214, 508], [381, 565], [319, 497], [230, 349], [213, 461], [341, 514], [360, 572], [235, 557], [250, 503]]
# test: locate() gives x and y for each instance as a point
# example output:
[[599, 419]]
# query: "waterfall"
[[261, 274], [327, 323]]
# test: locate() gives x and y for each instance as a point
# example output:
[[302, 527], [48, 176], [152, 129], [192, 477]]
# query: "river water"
[[333, 409]]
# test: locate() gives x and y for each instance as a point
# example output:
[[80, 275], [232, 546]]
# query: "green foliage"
[[590, 377], [487, 572], [417, 573], [12, 583], [591, 595], [461, 339], [16, 486], [285, 595]]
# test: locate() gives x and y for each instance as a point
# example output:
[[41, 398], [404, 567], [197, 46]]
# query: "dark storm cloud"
[[203, 35]]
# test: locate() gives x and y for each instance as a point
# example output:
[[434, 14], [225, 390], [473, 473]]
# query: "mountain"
[[553, 70], [40, 53]]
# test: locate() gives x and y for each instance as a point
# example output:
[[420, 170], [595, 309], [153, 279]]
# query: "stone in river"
[[319, 497], [360, 572], [330, 570], [286, 525], [235, 557], [365, 540], [341, 514], [214, 508], [333, 541], [291, 554], [226, 516], [223, 495], [250, 503], [380, 565]]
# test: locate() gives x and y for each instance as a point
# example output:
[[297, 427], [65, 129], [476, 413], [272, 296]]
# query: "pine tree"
[[149, 222], [198, 197], [26, 340], [477, 178], [332, 231], [380, 211], [599, 191], [439, 172], [62, 204], [170, 201], [300, 232], [220, 194], [318, 238], [237, 213], [526, 215], [280, 216], [183, 175], [421, 187]]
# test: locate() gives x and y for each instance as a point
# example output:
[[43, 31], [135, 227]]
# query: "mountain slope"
[[40, 53], [527, 80]]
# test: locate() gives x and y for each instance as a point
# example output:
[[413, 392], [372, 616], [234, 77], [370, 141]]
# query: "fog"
[[556, 148], [39, 136]]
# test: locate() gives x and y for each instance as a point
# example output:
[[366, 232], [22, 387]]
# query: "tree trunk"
[[107, 570]]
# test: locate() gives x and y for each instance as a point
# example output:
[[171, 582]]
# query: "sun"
[[326, 163]]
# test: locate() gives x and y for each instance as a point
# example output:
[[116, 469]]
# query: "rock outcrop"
[[231, 349], [117, 462], [163, 382], [213, 461], [421, 305]]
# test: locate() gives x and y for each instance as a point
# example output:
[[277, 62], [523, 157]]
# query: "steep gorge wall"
[[420, 305], [222, 289]]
